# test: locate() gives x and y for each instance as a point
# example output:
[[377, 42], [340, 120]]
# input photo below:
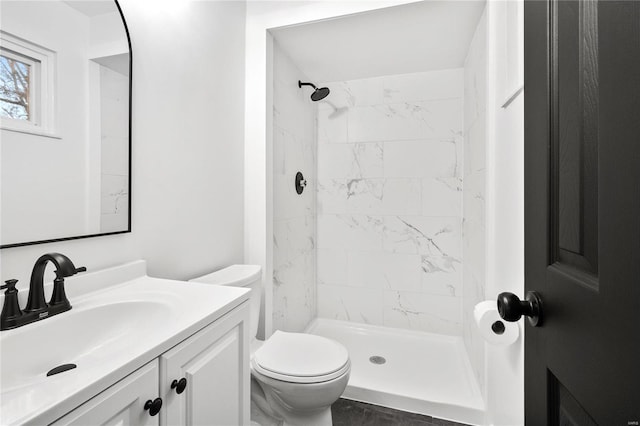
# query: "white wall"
[[494, 212], [505, 209], [390, 201], [474, 195], [258, 162], [187, 146], [294, 228]]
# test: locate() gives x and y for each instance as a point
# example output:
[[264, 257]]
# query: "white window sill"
[[36, 132]]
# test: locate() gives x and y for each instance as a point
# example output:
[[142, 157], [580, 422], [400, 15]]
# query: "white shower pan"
[[419, 372]]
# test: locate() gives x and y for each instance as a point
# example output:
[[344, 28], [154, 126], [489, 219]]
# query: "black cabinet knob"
[[153, 406], [511, 308], [179, 385]]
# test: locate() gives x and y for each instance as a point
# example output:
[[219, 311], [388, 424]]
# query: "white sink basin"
[[86, 337], [120, 320]]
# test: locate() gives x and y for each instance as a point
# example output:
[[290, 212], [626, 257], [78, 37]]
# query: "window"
[[16, 89], [26, 86]]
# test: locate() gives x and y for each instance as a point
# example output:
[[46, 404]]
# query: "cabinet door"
[[215, 363], [122, 404]]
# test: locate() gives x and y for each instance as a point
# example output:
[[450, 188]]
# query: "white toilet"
[[295, 376]]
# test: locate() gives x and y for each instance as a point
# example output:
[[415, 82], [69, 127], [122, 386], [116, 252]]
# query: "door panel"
[[215, 363], [214, 382], [582, 211], [566, 410], [574, 138]]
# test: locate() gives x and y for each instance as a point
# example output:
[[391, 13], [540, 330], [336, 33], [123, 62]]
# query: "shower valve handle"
[[301, 183], [511, 308]]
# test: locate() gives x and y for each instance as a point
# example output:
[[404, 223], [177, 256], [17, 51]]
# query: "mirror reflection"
[[64, 120]]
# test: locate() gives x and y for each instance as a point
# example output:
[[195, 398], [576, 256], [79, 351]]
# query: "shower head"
[[318, 93]]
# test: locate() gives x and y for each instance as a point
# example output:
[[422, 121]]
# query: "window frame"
[[42, 108]]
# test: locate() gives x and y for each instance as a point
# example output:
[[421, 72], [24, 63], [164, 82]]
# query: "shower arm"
[[300, 84]]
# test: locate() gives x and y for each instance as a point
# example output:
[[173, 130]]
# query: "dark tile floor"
[[352, 413]]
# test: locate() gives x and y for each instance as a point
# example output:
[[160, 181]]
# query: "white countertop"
[[130, 318]]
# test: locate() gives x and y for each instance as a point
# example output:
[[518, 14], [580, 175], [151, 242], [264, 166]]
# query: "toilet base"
[[260, 418], [318, 418], [264, 412]]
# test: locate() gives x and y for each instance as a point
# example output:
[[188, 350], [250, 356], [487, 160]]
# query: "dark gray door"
[[582, 211]]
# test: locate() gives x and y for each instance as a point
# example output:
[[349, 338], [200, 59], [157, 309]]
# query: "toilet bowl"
[[295, 376]]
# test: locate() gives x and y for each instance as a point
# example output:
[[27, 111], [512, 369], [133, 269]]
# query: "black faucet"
[[37, 308]]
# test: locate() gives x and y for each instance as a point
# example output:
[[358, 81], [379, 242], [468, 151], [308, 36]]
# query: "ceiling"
[[415, 37], [93, 7], [118, 63]]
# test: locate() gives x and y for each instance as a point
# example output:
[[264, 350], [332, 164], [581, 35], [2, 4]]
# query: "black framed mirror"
[[65, 121]]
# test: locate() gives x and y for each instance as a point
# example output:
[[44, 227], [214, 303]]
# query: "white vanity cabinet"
[[215, 363]]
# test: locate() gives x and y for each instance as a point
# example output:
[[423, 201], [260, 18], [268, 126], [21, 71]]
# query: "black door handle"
[[179, 385], [511, 308], [153, 406]]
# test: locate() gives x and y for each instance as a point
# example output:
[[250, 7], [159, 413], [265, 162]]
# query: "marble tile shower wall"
[[294, 228], [114, 136], [473, 228], [390, 201]]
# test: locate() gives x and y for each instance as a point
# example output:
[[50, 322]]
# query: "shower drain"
[[376, 359]]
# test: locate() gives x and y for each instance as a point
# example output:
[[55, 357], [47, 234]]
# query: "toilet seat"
[[256, 369], [300, 358]]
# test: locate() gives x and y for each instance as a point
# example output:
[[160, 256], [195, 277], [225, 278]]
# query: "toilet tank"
[[249, 276]]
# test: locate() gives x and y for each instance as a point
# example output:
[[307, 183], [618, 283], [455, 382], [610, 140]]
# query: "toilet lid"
[[300, 355]]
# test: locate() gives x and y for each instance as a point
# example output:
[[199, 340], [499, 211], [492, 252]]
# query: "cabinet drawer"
[[121, 404]]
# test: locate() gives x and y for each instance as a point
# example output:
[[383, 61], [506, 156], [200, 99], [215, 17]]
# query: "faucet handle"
[[9, 285], [62, 274], [11, 312]]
